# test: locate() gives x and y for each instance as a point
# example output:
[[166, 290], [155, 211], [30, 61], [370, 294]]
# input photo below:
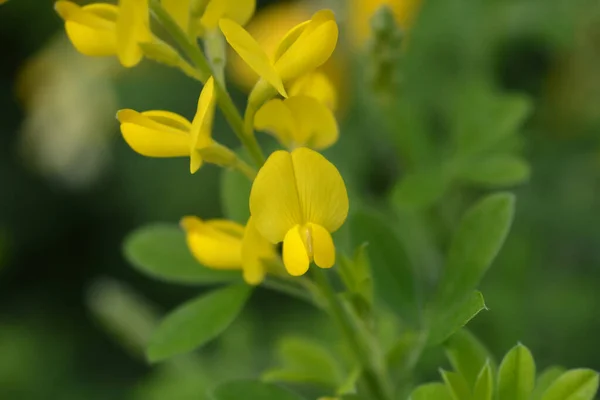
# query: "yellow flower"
[[239, 11], [303, 49], [223, 244], [298, 121], [299, 198], [361, 11], [166, 134], [179, 10], [317, 85]]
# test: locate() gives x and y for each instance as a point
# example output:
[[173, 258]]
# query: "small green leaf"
[[476, 243], [484, 385], [392, 274], [545, 379], [305, 361], [468, 355], [421, 189], [516, 376], [448, 321], [254, 390], [161, 252], [405, 353], [498, 170], [458, 387], [196, 322], [356, 273], [431, 391], [235, 192], [575, 384]]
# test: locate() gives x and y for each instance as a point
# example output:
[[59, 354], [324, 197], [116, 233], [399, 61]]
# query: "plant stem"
[[373, 380], [245, 169], [198, 59]]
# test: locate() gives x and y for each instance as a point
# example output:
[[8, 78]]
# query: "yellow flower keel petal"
[[295, 256], [322, 246]]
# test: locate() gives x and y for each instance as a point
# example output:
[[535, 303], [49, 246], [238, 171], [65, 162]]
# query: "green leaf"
[[499, 170], [476, 243], [421, 189], [431, 391], [405, 353], [160, 251], [305, 361], [458, 387], [516, 376], [235, 192], [392, 274], [254, 390], [356, 273], [575, 384], [197, 321], [468, 355], [545, 379], [448, 321], [484, 386]]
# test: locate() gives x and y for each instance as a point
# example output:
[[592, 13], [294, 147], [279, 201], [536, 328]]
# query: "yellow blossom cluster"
[[298, 197]]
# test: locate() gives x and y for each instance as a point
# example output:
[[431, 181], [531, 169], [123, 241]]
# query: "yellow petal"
[[295, 256], [322, 246], [215, 243], [91, 28], [250, 51], [170, 119], [240, 10], [255, 249], [276, 118], [321, 189], [288, 39], [313, 47], [274, 203], [179, 10], [201, 128], [316, 126], [317, 85], [132, 28], [150, 138]]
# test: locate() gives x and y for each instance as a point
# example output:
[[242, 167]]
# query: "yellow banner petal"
[[132, 28], [322, 193], [201, 130], [250, 51], [322, 246], [276, 118], [274, 203], [316, 126], [210, 245], [317, 85], [295, 256]]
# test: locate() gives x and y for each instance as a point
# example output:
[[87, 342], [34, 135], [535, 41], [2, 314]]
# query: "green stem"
[[245, 169], [214, 46], [198, 59], [373, 380]]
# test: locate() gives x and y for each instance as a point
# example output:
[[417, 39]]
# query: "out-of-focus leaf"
[[476, 243], [484, 385], [390, 266], [406, 352], [196, 322], [235, 192], [446, 322], [305, 361], [545, 379], [356, 273], [516, 376], [459, 390], [254, 390], [431, 391], [160, 251], [497, 170], [575, 384], [421, 189], [468, 355]]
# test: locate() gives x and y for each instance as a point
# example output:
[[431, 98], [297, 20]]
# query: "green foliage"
[[421, 189], [484, 385], [576, 384], [497, 170], [545, 379], [516, 375], [468, 355], [196, 322], [456, 384], [235, 191], [304, 361], [448, 321], [160, 251], [254, 390], [431, 391]]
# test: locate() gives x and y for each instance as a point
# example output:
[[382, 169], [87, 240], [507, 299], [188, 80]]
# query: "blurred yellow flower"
[[317, 85], [223, 244], [299, 198], [298, 121], [180, 11], [239, 11], [303, 49], [361, 11], [165, 134]]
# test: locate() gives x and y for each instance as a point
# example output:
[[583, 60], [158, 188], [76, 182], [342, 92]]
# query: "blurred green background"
[[71, 190]]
